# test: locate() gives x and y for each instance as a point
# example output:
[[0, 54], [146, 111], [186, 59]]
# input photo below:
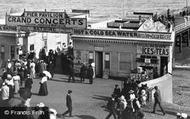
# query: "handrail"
[[182, 26]]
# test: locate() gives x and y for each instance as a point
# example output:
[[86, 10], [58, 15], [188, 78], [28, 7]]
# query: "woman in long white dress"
[[16, 79]]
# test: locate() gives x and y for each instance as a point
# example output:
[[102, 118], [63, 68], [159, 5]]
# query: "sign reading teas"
[[45, 19], [155, 51]]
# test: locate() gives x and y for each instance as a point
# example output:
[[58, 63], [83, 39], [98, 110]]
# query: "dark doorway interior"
[[163, 65], [99, 64]]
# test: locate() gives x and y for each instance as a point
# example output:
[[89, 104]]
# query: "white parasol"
[[48, 74]]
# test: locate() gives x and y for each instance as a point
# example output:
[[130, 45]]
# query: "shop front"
[[119, 56], [153, 59]]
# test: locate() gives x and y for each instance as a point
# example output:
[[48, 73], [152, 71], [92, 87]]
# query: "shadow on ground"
[[85, 117], [100, 97], [79, 116], [66, 81]]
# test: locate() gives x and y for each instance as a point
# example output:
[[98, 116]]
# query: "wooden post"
[[180, 42], [188, 33]]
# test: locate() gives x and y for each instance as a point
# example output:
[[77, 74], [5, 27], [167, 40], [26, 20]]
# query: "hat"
[[155, 87], [9, 76], [51, 110], [131, 91], [122, 98], [41, 104], [69, 91], [184, 115]]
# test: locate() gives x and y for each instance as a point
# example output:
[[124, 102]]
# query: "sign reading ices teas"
[[48, 19], [146, 50]]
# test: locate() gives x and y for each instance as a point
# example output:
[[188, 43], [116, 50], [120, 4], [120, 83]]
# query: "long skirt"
[[17, 87], [43, 91]]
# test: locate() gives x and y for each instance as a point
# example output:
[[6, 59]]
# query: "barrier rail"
[[182, 26]]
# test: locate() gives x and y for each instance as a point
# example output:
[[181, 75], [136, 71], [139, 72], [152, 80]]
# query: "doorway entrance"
[[99, 64], [163, 65]]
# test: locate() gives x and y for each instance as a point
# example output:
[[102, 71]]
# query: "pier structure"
[[182, 31]]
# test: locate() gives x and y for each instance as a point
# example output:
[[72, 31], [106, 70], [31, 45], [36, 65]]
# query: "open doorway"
[[163, 65], [99, 64]]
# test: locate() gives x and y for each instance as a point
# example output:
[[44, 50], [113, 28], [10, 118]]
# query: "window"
[[2, 60], [31, 47], [90, 57], [107, 60], [12, 52], [2, 48], [125, 62]]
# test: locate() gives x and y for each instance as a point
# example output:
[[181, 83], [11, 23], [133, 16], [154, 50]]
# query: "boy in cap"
[[68, 103]]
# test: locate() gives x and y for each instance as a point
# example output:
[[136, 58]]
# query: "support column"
[[180, 42], [188, 36]]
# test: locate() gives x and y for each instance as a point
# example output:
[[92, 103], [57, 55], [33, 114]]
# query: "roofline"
[[127, 39]]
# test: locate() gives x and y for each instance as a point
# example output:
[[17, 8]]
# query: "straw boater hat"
[[9, 77], [53, 111], [131, 91], [41, 104], [122, 98], [69, 91]]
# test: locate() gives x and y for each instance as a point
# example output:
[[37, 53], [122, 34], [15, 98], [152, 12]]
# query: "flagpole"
[[123, 12], [186, 3]]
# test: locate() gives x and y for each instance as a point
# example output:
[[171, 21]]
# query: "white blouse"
[[44, 79]]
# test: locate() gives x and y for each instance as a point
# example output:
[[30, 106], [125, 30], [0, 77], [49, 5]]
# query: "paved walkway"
[[88, 100]]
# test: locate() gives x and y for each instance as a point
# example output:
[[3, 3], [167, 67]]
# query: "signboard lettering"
[[8, 28], [155, 51], [119, 33], [45, 29], [44, 14], [46, 21]]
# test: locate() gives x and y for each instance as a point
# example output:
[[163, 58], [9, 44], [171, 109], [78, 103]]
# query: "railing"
[[182, 26]]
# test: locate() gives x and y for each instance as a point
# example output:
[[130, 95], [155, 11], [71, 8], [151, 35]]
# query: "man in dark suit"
[[157, 100], [111, 106], [71, 69], [68, 104], [90, 74]]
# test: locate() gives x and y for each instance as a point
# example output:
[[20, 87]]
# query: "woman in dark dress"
[[43, 91]]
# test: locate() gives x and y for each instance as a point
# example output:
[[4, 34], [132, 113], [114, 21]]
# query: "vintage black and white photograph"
[[94, 59]]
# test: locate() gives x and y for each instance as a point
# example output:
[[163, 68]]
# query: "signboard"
[[44, 14], [120, 33], [35, 29], [147, 60], [45, 29], [8, 28], [150, 50], [155, 51], [46, 21]]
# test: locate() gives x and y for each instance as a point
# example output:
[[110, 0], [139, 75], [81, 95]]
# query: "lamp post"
[[186, 3]]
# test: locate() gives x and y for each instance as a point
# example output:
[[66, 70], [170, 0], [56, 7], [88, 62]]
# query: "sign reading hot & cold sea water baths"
[[46, 19]]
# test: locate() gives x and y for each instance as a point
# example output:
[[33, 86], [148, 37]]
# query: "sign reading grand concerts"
[[47, 19], [120, 33]]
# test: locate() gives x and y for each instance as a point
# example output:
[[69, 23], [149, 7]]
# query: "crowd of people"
[[127, 103], [17, 81]]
